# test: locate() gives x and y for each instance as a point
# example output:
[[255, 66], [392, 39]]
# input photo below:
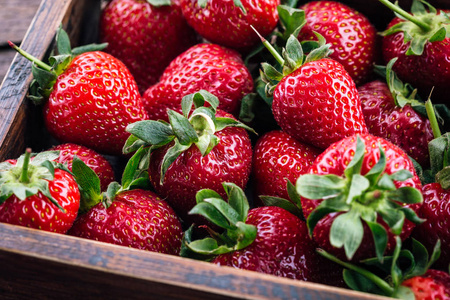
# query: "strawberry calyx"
[[196, 125], [392, 272], [293, 56], [402, 93], [159, 3], [90, 187], [28, 176], [237, 3], [423, 25], [45, 75], [230, 216], [360, 198]]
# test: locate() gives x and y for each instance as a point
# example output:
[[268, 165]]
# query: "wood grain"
[[68, 267]]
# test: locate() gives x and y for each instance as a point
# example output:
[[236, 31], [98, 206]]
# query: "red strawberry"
[[314, 100], [145, 36], [277, 157], [33, 195], [126, 214], [362, 185], [422, 49], [92, 97], [92, 159], [136, 218], [433, 285], [196, 150], [210, 67], [388, 108], [352, 37], [226, 23], [266, 239]]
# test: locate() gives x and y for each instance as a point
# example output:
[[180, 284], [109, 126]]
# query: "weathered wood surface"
[[68, 267]]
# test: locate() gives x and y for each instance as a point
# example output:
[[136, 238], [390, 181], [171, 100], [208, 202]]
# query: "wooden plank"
[[64, 266], [6, 57]]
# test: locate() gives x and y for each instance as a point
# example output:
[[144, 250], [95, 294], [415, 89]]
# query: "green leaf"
[[358, 186], [316, 215], [88, 48], [206, 143], [132, 144], [44, 156], [237, 200], [376, 171], [271, 72], [211, 213], [89, 184], [131, 169], [283, 203], [170, 156], [404, 293], [292, 193], [63, 42], [185, 251], [111, 192], [417, 45], [182, 129], [292, 20], [247, 234], [396, 271], [222, 123], [159, 3], [443, 177], [359, 282], [45, 79], [203, 194], [354, 167], [320, 186], [435, 254], [208, 246], [294, 51], [198, 99], [152, 132], [394, 218], [225, 209], [406, 194], [386, 183], [380, 239], [420, 255], [347, 230], [411, 215], [60, 63], [401, 175], [238, 3]]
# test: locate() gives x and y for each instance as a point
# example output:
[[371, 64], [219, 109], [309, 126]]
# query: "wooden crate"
[[45, 265]]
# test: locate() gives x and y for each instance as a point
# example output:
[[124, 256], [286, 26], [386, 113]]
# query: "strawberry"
[[99, 164], [145, 35], [314, 99], [350, 34], [227, 22], [433, 285], [126, 214], [199, 149], [266, 239], [278, 157], [360, 193], [36, 194], [422, 47], [389, 109], [90, 97], [213, 68]]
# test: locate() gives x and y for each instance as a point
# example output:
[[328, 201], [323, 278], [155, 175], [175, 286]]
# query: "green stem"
[[26, 161], [383, 285], [432, 117], [269, 47], [30, 57], [406, 15]]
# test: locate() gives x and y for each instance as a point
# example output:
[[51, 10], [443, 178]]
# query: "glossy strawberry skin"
[[431, 69], [277, 156], [137, 219], [436, 211], [99, 164], [433, 285], [403, 127], [39, 212], [334, 161], [223, 23], [229, 161], [144, 37], [216, 69], [318, 104], [282, 248], [92, 102], [352, 37]]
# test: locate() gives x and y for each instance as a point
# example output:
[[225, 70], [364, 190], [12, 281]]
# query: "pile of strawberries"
[[286, 138]]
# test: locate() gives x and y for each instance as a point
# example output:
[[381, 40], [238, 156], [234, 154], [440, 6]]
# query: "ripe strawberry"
[[389, 112], [227, 22], [35, 194], [91, 97], [314, 99], [210, 67], [352, 37], [145, 36], [266, 239], [422, 47], [126, 214], [360, 193], [196, 150], [277, 157], [433, 285], [92, 159]]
